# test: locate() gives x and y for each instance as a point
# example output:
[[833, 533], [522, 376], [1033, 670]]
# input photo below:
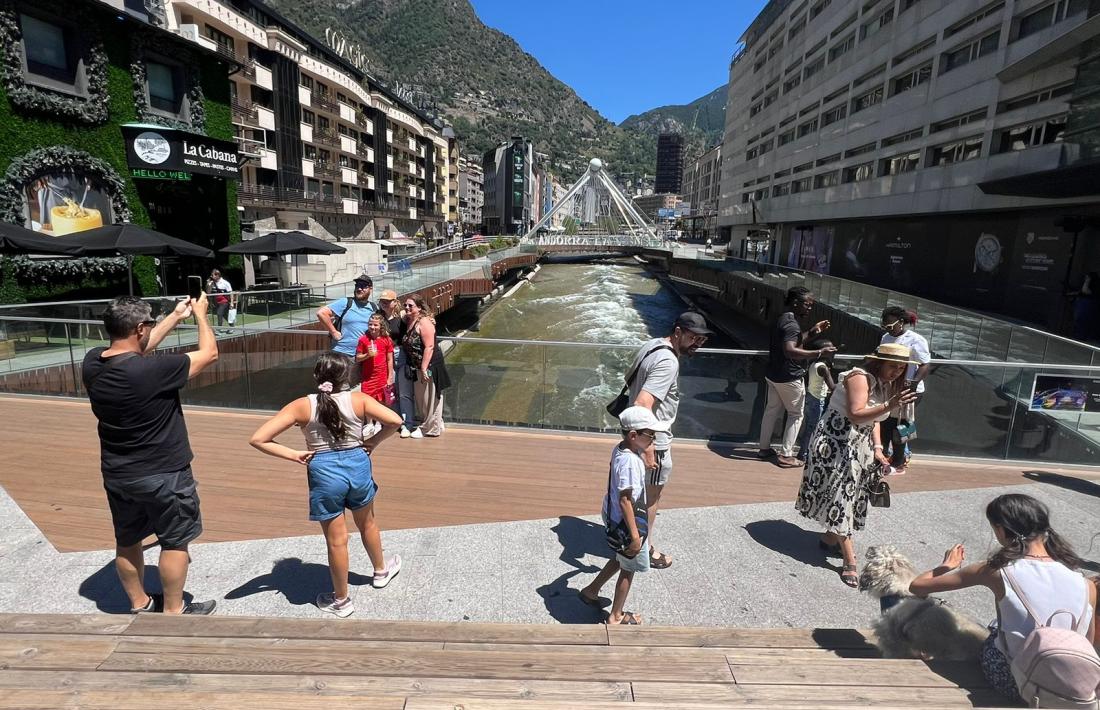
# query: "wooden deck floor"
[[470, 475], [126, 663]]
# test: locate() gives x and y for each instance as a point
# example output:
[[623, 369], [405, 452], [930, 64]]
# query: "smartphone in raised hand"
[[194, 287]]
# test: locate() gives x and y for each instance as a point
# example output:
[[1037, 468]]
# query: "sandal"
[[849, 576], [629, 619], [659, 560]]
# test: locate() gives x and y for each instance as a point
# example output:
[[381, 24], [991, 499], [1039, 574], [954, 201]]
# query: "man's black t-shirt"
[[137, 403], [780, 367]]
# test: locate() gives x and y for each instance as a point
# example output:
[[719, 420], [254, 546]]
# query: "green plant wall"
[[23, 132]]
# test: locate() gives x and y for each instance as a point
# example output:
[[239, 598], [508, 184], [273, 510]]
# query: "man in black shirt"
[[786, 372], [145, 456]]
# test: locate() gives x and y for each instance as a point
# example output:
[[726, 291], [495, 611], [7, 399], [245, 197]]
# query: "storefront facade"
[[100, 108]]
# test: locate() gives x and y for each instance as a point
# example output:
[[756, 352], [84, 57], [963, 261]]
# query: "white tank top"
[[1048, 586], [318, 437]]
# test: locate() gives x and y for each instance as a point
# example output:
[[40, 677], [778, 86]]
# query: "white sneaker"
[[417, 434], [328, 603], [393, 566], [405, 432]]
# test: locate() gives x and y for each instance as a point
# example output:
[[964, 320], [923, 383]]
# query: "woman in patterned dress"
[[844, 447]]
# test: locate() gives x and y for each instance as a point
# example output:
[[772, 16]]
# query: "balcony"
[[326, 137], [248, 147], [254, 195], [324, 101], [365, 151], [322, 168], [244, 112]]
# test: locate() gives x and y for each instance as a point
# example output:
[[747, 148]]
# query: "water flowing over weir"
[[593, 303]]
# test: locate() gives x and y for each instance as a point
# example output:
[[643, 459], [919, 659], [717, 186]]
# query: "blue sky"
[[625, 57]]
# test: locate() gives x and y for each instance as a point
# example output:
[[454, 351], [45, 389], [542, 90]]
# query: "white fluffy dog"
[[911, 627]]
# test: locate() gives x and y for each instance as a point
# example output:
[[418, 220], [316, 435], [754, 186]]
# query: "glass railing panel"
[[1053, 422], [508, 384], [964, 412], [1068, 352], [993, 341], [1027, 345]]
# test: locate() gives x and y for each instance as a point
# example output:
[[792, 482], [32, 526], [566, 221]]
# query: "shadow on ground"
[[1077, 485], [788, 539], [104, 588], [299, 582], [578, 538]]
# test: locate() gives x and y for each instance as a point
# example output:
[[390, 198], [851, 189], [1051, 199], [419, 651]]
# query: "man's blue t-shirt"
[[353, 326]]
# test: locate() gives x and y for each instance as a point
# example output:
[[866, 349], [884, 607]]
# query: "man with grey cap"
[[346, 320], [653, 383]]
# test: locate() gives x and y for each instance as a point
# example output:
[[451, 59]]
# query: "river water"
[[555, 386]]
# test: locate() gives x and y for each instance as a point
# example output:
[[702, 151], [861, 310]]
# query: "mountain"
[[440, 54], [702, 122]]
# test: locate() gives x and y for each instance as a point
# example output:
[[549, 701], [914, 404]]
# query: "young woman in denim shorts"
[[341, 427]]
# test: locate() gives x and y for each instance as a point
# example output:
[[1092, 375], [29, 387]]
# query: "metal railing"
[[971, 408]]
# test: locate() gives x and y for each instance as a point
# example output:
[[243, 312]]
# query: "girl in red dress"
[[375, 355]]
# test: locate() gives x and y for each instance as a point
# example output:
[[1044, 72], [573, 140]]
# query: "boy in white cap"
[[624, 512]]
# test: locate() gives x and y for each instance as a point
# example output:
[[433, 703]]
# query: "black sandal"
[[850, 576]]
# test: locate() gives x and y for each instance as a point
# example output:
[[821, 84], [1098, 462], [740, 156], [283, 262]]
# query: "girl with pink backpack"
[[1041, 649]]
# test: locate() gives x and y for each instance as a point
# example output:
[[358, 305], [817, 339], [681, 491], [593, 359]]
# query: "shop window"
[[1033, 134], [957, 152], [164, 84], [52, 56], [904, 163]]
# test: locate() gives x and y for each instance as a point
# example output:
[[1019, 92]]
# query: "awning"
[[1079, 179]]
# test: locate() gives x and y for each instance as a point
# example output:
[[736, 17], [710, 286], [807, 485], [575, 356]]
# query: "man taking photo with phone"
[[145, 455]]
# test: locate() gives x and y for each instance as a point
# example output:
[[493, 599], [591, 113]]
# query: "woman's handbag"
[[389, 396], [906, 431], [878, 490], [231, 317]]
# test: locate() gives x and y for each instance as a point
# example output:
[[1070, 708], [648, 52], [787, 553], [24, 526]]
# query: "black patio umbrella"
[[283, 243], [16, 240], [132, 240]]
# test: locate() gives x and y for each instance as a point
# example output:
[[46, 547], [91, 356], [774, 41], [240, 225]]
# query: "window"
[[859, 150], [50, 55], [790, 84], [781, 189], [904, 163], [906, 4], [826, 180], [1037, 97], [1039, 133], [869, 76], [787, 120], [914, 51], [796, 27], [756, 108], [308, 116], [766, 146], [305, 81], [751, 153], [956, 152], [761, 194], [804, 185], [1044, 17], [839, 29], [911, 79], [807, 128], [745, 198], [870, 29], [812, 108], [165, 85], [902, 137], [309, 152], [785, 138], [802, 168], [834, 114], [771, 98], [774, 49], [969, 52], [859, 173], [816, 46], [971, 20], [867, 100], [835, 95], [813, 67], [224, 41], [960, 120], [819, 7], [841, 48], [828, 159], [782, 173]]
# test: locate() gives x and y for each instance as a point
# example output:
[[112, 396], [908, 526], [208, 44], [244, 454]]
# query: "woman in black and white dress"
[[846, 445]]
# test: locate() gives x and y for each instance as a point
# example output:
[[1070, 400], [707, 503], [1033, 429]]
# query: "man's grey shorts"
[[664, 468]]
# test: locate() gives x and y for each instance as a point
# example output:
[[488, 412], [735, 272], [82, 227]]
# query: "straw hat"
[[892, 352]]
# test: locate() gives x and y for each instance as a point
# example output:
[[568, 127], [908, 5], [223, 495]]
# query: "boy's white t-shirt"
[[627, 471]]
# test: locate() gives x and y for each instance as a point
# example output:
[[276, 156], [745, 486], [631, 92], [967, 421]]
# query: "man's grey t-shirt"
[[658, 375]]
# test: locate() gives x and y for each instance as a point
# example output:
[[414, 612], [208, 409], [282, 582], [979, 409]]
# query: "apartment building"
[[651, 205], [329, 149], [471, 194], [510, 205], [670, 163], [701, 192], [946, 148]]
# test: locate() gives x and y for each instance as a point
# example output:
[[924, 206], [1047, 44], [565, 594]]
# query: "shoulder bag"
[[617, 405], [618, 535]]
